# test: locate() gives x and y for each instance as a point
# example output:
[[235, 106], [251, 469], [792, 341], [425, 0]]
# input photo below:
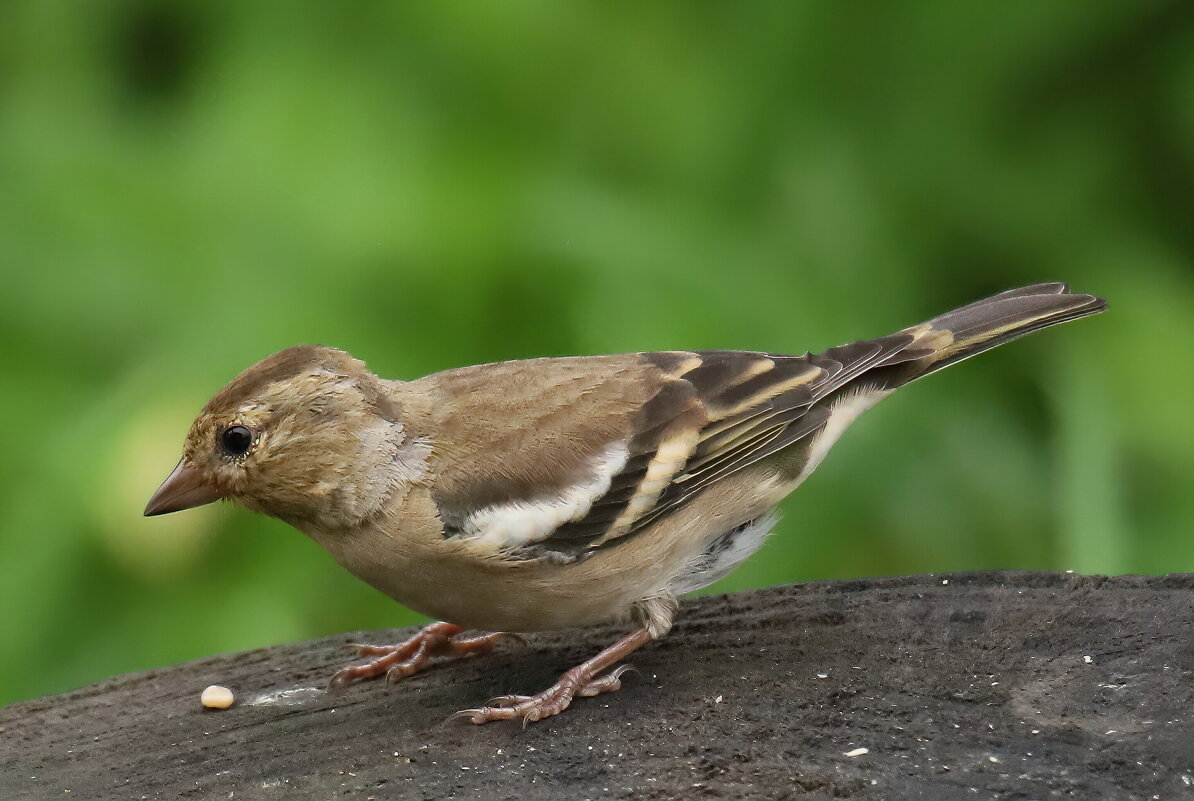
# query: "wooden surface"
[[988, 685]]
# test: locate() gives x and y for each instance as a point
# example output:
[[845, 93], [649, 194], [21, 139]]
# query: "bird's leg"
[[407, 658], [586, 679]]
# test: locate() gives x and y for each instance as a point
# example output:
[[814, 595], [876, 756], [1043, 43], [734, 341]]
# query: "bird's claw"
[[552, 701], [397, 662], [610, 682], [340, 679]]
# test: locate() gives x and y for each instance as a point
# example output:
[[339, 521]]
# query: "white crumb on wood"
[[217, 697]]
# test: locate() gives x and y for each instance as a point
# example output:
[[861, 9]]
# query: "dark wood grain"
[[987, 685]]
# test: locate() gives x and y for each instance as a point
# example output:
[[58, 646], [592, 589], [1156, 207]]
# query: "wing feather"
[[699, 417], [752, 405]]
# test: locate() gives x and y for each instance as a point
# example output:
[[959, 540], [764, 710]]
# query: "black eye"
[[237, 439]]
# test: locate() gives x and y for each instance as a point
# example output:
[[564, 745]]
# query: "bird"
[[554, 493]]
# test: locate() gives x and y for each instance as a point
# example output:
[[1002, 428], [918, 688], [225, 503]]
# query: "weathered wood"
[[988, 685]]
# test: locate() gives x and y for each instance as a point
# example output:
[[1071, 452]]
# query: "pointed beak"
[[184, 488]]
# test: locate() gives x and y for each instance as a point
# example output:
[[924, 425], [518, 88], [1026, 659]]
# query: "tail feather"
[[988, 323]]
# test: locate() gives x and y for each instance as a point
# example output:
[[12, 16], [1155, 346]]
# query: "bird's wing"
[[559, 457]]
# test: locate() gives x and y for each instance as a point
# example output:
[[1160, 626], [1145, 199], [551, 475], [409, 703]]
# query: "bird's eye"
[[236, 439]]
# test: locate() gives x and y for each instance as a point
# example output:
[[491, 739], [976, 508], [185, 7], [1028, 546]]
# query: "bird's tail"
[[988, 323]]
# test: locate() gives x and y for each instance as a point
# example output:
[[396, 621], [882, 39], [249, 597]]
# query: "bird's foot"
[[404, 659], [552, 701], [588, 678]]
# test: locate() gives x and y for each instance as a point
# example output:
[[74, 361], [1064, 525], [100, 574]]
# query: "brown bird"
[[552, 493]]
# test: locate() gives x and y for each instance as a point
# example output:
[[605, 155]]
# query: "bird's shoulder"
[[523, 428]]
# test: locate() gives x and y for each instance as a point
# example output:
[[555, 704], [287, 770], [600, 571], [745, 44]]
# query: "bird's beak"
[[182, 489]]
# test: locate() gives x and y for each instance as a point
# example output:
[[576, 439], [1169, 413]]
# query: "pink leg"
[[585, 680], [409, 657]]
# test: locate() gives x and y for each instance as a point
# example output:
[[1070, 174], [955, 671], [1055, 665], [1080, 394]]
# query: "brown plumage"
[[551, 493]]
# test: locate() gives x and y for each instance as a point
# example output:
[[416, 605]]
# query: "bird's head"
[[307, 435]]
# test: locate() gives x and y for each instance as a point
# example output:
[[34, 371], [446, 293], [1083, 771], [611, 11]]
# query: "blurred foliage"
[[190, 186]]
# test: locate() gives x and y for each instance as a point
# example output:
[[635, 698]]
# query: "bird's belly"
[[442, 579], [515, 596], [408, 558]]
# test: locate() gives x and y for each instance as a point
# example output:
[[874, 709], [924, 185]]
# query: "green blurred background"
[[188, 187]]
